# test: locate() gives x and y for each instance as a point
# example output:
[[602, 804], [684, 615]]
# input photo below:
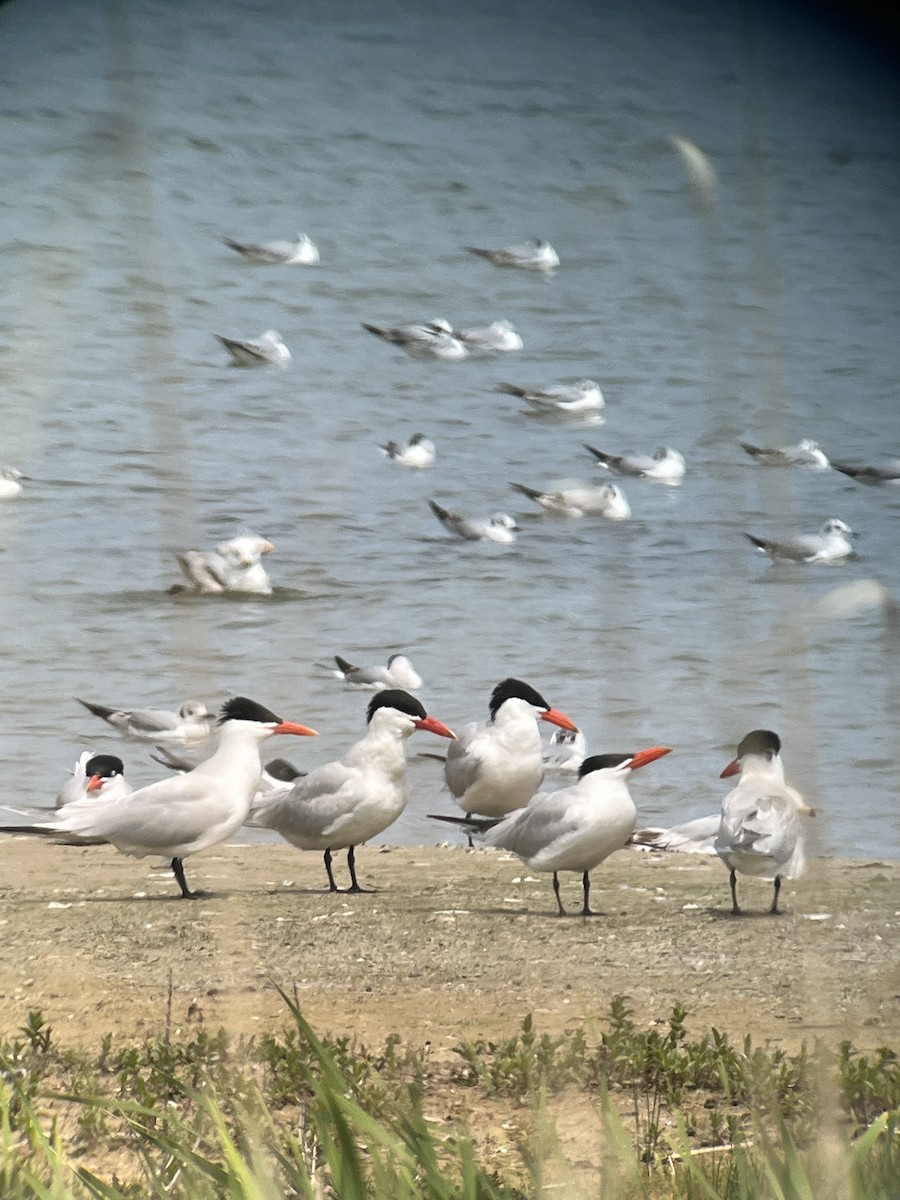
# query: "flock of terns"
[[494, 768]]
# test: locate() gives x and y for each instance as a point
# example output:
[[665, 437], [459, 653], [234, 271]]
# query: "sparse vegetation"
[[293, 1115]]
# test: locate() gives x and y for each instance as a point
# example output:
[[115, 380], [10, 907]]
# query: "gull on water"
[[398, 673], [266, 350], [664, 465], [533, 255], [888, 472], [607, 501], [300, 252], [10, 483], [565, 751], [833, 542], [433, 339], [806, 453], [500, 527], [234, 566], [583, 396], [499, 336], [418, 452], [191, 722]]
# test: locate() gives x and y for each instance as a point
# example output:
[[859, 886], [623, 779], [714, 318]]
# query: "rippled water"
[[136, 135]]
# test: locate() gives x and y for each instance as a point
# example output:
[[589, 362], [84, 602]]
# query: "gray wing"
[[463, 765], [313, 803]]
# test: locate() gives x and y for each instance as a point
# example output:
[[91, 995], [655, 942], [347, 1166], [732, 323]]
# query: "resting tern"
[[266, 350], [607, 501], [342, 804], [535, 254], [301, 252], [888, 473], [691, 837], [434, 339], [499, 336], [759, 829], [417, 452], [575, 828], [234, 566], [89, 769], [192, 721], [832, 543], [398, 673], [496, 766], [805, 454], [583, 396], [500, 527], [11, 483], [182, 814], [664, 465]]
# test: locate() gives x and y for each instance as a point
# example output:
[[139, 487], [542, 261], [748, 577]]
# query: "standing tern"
[[606, 501], [832, 543], [300, 252], [266, 350], [806, 453], [418, 452], [11, 483], [398, 673], [496, 766], [498, 337], [533, 255], [192, 721], [873, 476], [759, 829], [342, 804], [183, 814], [575, 828], [583, 396], [434, 339], [664, 465], [499, 527], [234, 566]]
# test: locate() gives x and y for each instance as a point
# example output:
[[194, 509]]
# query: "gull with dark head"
[[499, 527], [833, 542]]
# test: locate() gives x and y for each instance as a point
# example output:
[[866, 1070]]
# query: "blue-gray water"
[[134, 136]]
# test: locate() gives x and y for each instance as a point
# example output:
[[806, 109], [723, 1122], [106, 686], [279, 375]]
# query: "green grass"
[[294, 1115]]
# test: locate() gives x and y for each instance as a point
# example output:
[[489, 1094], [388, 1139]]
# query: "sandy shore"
[[454, 944]]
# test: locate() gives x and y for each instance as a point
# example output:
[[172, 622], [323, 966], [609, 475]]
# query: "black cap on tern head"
[[396, 698], [239, 708], [104, 765], [511, 689], [760, 741], [601, 762]]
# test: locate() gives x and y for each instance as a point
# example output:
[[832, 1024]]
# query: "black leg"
[[735, 907], [178, 871], [562, 911], [332, 886], [468, 835], [587, 911], [351, 864], [774, 908]]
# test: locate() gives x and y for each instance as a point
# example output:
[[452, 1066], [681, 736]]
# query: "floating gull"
[[267, 350], [832, 543], [500, 527], [606, 501], [534, 255], [583, 396], [301, 252], [434, 339], [664, 465], [417, 452], [806, 453]]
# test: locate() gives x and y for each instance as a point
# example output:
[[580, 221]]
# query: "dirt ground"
[[453, 945]]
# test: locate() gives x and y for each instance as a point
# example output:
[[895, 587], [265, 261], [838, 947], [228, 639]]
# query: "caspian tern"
[[887, 473], [498, 337], [266, 350], [91, 767], [182, 814], [417, 452], [583, 396], [759, 829], [664, 465], [192, 721], [398, 673], [11, 483], [535, 255], [234, 566], [565, 751], [496, 766], [575, 828], [832, 543], [500, 527], [690, 837], [434, 339], [606, 501], [301, 252], [342, 804], [806, 453]]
